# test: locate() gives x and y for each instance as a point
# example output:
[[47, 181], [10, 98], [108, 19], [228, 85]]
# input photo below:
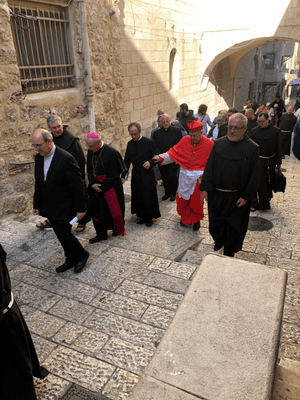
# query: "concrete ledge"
[[222, 343]]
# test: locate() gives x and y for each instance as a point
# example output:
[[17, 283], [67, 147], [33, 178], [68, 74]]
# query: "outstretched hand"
[[241, 202], [203, 196], [146, 165]]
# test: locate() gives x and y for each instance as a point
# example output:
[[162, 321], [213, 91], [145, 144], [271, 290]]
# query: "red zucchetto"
[[93, 135]]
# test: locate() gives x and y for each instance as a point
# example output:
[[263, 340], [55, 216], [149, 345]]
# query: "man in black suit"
[[59, 187]]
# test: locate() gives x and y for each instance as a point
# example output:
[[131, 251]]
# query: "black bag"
[[279, 181]]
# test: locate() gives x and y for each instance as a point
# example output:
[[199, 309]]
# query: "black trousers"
[[169, 176], [100, 230], [74, 251]]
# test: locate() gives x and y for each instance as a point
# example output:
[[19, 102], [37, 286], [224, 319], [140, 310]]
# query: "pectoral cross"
[[193, 159]]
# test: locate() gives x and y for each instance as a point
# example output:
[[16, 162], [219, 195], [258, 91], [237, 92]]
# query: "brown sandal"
[[43, 225]]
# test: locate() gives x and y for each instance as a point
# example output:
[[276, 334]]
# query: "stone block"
[[132, 69], [145, 91], [237, 306], [134, 93], [137, 80], [148, 102], [135, 115], [138, 104], [149, 388], [128, 107]]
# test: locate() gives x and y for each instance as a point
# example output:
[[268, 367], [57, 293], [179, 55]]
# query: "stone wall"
[[21, 115], [130, 50]]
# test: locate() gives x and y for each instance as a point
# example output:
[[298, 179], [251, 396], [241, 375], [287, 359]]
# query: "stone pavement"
[[96, 331]]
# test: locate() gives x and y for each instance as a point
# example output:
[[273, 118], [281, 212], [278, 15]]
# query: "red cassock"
[[192, 157]]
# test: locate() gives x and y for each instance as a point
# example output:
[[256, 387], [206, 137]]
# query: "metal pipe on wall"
[[87, 64]]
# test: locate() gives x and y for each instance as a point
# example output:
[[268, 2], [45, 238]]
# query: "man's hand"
[[81, 215], [97, 187], [204, 196], [35, 212], [241, 202], [146, 165]]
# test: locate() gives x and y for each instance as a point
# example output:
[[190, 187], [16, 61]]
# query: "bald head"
[[42, 141]]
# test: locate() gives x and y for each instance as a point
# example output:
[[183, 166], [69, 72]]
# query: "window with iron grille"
[[40, 34]]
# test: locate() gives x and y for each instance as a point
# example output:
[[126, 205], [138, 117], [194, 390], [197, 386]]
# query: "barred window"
[[40, 34]]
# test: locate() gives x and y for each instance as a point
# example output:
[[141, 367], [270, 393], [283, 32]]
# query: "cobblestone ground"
[[97, 331]]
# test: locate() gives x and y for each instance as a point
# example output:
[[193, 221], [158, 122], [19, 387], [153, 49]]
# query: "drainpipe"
[[86, 55]]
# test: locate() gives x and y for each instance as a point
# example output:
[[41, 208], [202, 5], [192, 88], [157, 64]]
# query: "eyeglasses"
[[38, 146], [261, 122], [234, 128]]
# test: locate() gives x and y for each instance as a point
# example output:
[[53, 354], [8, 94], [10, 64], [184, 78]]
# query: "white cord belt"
[[226, 190], [267, 157], [286, 131], [10, 304]]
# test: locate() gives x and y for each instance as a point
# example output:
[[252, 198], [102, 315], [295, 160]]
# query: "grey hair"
[[45, 134], [52, 119], [241, 116], [221, 117]]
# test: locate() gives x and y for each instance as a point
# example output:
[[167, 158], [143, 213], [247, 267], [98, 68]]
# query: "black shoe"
[[181, 223], [196, 226], [114, 232], [79, 267], [141, 221], [95, 239], [148, 224], [217, 247], [165, 197], [228, 252], [64, 267], [172, 197]]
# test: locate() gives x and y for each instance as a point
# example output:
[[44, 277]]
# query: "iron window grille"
[[42, 46]]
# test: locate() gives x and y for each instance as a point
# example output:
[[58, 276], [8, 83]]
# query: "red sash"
[[114, 207]]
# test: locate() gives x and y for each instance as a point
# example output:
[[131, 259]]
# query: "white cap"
[[268, 104]]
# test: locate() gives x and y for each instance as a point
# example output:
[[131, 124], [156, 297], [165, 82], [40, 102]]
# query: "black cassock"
[[107, 161], [18, 359], [164, 140], [144, 202], [287, 123], [269, 143], [232, 167]]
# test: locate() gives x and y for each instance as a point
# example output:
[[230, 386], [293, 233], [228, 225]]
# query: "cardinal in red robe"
[[191, 153]]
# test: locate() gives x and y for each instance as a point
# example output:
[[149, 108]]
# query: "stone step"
[[287, 381], [230, 316]]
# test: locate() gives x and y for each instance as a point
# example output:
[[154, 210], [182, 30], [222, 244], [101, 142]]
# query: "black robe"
[[223, 130], [251, 124], [164, 140], [67, 141], [269, 143], [183, 119], [144, 202], [231, 166], [107, 161], [18, 359], [287, 123]]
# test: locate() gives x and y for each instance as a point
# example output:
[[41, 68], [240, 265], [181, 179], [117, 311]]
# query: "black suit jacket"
[[62, 194], [223, 130]]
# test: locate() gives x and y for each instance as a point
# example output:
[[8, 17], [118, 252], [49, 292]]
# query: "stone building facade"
[[101, 64]]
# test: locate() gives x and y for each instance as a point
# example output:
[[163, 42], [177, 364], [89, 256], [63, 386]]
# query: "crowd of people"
[[229, 162], [196, 159]]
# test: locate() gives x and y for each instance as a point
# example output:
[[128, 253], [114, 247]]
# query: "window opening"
[[40, 35]]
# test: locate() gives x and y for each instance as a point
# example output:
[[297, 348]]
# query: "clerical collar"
[[140, 137], [51, 152]]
